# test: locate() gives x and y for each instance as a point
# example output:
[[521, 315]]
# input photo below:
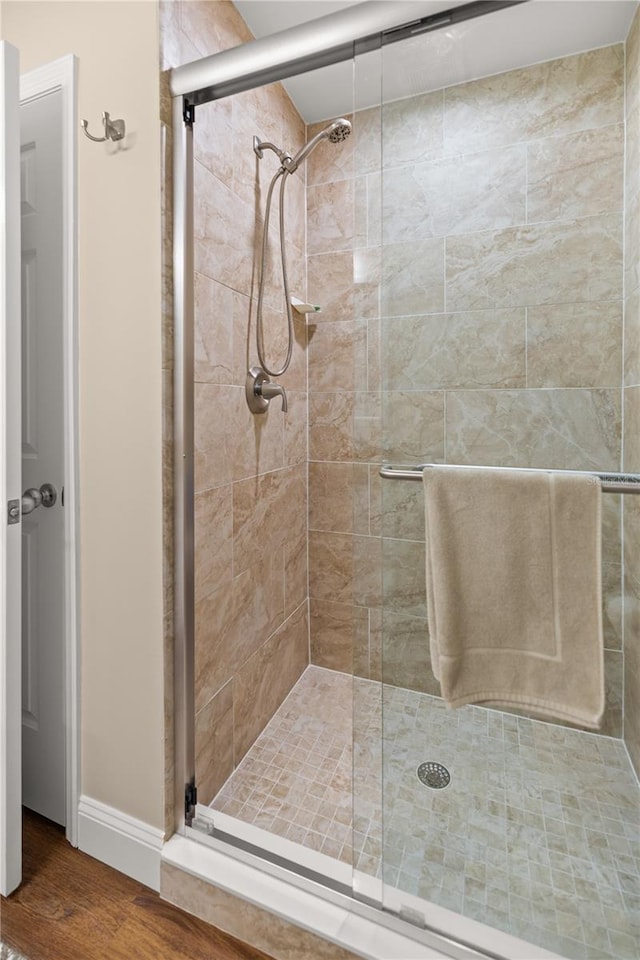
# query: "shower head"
[[336, 131], [339, 130]]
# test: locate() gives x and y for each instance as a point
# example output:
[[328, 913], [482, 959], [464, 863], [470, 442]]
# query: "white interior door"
[[10, 476], [43, 530]]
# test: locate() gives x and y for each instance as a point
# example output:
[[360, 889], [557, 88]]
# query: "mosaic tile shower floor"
[[537, 834]]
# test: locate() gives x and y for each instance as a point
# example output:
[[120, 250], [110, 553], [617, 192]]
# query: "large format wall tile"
[[455, 350], [225, 232], [213, 451], [233, 621], [632, 669], [213, 138], [478, 191], [612, 605], [367, 211], [344, 426], [296, 571], [612, 528], [266, 678], [339, 634], [632, 241], [345, 569], [611, 725], [213, 526], [576, 176], [403, 577], [546, 100], [268, 511], [218, 311], [567, 262], [338, 356], [632, 151], [412, 129], [413, 277], [413, 425], [632, 429], [555, 429], [396, 509], [330, 217], [632, 339], [330, 285], [331, 567], [339, 497], [295, 429], [331, 426], [214, 744], [406, 660], [632, 67], [344, 285], [574, 345]]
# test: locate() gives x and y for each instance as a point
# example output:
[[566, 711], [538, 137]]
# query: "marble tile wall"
[[632, 400], [488, 330], [250, 472]]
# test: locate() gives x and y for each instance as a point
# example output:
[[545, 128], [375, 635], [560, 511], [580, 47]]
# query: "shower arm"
[[259, 146]]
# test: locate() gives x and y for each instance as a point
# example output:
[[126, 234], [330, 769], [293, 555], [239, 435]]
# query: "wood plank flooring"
[[72, 907]]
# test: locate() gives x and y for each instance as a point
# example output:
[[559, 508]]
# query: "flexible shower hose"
[[259, 324]]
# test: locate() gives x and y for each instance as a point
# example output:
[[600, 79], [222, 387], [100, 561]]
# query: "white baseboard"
[[121, 841]]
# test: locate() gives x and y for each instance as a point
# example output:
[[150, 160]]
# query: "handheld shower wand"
[[336, 131]]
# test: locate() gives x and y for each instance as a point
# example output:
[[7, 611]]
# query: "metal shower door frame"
[[183, 440]]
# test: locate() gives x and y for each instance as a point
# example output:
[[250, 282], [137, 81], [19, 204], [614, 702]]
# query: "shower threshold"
[[537, 835]]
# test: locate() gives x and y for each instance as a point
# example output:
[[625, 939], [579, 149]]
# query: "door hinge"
[[190, 800], [13, 511]]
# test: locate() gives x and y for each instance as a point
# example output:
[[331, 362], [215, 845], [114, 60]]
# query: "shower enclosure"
[[473, 246]]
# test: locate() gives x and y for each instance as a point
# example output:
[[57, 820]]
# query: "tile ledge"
[[326, 920]]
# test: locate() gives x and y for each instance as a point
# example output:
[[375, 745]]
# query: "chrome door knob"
[[33, 498]]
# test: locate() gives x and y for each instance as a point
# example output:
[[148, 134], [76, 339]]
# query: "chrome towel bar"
[[611, 482]]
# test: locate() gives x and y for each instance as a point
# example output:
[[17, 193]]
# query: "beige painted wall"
[[120, 388]]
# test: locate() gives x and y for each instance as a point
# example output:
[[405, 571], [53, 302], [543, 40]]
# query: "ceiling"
[[528, 33]]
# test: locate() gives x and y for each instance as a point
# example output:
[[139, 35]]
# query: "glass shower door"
[[500, 344]]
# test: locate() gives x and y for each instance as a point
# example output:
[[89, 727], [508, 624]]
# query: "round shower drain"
[[433, 775]]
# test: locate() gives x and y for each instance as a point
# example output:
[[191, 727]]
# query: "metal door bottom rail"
[[611, 482]]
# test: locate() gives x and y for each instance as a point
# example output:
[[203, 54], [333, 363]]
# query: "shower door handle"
[[33, 498]]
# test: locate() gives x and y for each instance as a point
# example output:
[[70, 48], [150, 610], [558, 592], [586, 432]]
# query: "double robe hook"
[[113, 129]]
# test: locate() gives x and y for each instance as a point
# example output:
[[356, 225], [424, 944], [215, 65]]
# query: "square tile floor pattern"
[[537, 834]]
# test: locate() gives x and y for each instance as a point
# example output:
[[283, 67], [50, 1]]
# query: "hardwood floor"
[[72, 907]]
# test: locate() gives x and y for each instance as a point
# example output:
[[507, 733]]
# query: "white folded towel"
[[514, 590]]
